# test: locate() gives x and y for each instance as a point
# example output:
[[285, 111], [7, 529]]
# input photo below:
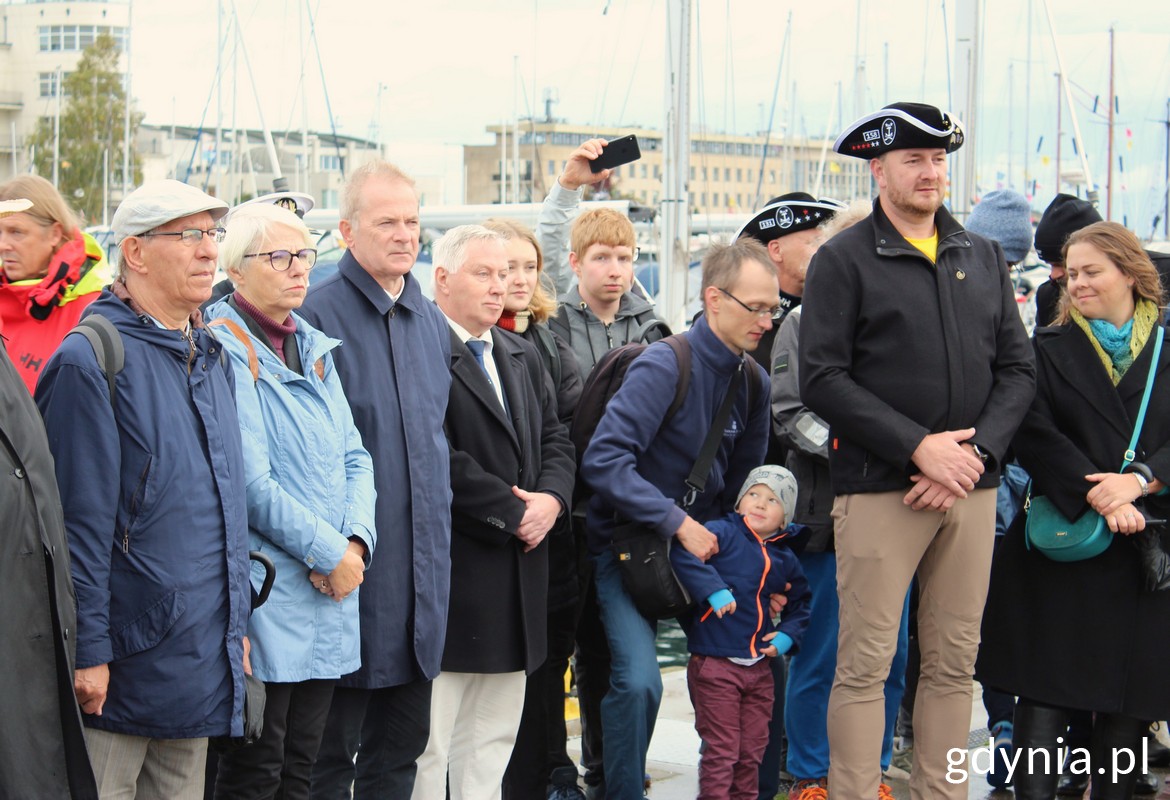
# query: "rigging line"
[[925, 50], [637, 59], [207, 105], [325, 86], [947, 52], [772, 113], [704, 131], [604, 94], [298, 91]]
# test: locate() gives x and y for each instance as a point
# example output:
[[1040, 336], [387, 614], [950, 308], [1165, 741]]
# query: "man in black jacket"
[[913, 351], [512, 470]]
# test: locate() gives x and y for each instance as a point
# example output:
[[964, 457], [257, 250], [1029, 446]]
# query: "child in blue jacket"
[[730, 633]]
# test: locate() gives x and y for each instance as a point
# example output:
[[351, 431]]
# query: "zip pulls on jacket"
[[763, 544]]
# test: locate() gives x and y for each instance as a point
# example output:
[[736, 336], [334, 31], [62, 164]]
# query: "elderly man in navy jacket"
[[637, 463], [393, 366], [511, 477], [149, 469]]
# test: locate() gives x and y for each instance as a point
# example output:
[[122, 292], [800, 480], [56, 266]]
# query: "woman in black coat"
[[1089, 635]]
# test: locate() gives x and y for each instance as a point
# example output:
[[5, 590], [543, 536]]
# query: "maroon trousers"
[[733, 705]]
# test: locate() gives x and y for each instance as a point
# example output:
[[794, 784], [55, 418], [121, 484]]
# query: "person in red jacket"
[[49, 272]]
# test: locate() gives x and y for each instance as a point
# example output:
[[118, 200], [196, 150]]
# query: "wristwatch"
[[981, 453]]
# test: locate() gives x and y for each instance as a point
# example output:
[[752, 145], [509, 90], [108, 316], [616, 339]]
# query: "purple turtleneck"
[[275, 331]]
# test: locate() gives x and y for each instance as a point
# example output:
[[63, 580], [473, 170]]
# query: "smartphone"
[[618, 152]]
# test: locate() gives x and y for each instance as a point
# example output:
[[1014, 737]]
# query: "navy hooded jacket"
[[157, 524]]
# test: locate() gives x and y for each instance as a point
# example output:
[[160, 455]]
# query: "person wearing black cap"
[[1064, 216], [789, 227], [914, 353]]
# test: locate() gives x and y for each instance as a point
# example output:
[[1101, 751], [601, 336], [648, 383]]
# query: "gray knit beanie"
[[1004, 216], [779, 480]]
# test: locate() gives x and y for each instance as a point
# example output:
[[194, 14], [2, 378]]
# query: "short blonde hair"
[[723, 263], [846, 218], [248, 225], [351, 195], [542, 305], [601, 226]]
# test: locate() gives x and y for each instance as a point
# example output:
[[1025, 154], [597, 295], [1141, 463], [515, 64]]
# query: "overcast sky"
[[448, 68]]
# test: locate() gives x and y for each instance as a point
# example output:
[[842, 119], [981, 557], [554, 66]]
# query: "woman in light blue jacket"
[[310, 492]]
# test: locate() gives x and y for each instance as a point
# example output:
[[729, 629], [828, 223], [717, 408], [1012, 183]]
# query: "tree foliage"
[[92, 122]]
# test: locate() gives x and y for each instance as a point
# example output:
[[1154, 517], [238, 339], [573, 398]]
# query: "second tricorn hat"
[[900, 126], [788, 213]]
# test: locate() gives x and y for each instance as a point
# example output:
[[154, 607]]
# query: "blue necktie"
[[476, 347]]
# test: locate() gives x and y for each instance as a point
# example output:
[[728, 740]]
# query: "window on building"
[[739, 173], [48, 83], [657, 173], [330, 162], [692, 173], [727, 174], [645, 171], [552, 167], [67, 38]]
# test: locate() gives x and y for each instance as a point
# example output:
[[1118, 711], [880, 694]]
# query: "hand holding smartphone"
[[618, 152]]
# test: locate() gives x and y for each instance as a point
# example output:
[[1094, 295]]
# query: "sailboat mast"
[[1112, 101], [674, 253]]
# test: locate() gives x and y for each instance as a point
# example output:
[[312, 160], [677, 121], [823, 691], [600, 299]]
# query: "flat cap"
[[156, 203], [900, 126]]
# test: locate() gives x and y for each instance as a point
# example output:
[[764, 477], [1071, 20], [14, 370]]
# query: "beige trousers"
[[129, 767], [881, 543], [474, 719]]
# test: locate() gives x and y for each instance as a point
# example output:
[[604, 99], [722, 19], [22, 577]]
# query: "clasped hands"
[[1113, 498], [949, 469], [346, 576]]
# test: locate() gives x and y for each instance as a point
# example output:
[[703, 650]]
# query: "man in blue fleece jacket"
[[637, 464]]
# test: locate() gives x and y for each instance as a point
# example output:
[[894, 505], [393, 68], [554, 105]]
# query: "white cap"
[[156, 203], [304, 203], [8, 207]]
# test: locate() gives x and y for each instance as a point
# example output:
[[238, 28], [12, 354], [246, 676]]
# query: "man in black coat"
[[512, 472], [42, 748]]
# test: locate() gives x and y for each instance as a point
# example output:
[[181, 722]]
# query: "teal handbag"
[[1051, 533]]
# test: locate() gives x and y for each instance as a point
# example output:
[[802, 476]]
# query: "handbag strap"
[[697, 480], [1131, 453]]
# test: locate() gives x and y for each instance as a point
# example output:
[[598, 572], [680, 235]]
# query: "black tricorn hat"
[[900, 126], [788, 213]]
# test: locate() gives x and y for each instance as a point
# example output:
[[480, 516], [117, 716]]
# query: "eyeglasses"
[[192, 236], [282, 259], [772, 312]]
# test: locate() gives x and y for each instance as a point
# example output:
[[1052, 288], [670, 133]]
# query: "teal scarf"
[[1115, 342]]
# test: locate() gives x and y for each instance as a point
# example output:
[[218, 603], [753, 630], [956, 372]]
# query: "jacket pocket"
[[148, 628], [137, 502]]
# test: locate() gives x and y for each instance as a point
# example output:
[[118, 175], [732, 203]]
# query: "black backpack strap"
[[682, 352], [552, 355], [107, 347], [698, 477], [650, 328], [559, 323]]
